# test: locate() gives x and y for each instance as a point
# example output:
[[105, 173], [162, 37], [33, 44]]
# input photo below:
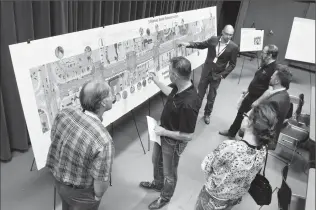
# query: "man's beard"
[[263, 62]]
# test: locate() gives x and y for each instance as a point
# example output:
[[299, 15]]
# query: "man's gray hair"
[[92, 94], [182, 66]]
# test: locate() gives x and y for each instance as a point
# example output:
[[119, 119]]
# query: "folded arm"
[[188, 118]]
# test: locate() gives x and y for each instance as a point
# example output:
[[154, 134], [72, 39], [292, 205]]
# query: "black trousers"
[[208, 80], [244, 108]]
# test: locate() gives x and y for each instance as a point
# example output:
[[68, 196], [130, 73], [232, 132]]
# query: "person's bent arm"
[[188, 118], [232, 63], [101, 169], [178, 135], [164, 88]]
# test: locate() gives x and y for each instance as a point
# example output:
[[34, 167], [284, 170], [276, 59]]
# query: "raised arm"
[[198, 45], [164, 88]]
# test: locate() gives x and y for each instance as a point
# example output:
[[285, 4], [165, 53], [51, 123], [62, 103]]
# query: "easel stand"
[[138, 131], [112, 133], [243, 62], [31, 169], [148, 115]]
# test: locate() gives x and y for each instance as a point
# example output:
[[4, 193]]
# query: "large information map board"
[[51, 71]]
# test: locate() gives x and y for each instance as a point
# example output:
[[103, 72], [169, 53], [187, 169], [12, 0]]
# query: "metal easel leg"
[[31, 169], [138, 132], [258, 60], [242, 67], [148, 115], [112, 133]]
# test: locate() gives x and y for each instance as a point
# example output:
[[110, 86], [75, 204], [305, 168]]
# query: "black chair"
[[285, 193]]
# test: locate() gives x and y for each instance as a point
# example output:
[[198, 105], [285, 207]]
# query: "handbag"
[[260, 188]]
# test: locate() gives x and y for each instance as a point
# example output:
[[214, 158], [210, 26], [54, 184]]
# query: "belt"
[[73, 186]]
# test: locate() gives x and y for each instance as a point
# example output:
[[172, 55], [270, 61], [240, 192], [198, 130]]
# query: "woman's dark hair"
[[264, 120]]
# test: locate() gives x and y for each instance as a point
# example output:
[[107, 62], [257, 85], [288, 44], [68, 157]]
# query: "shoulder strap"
[[265, 162]]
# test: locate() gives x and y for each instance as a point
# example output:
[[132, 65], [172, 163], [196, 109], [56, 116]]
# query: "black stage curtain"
[[30, 20]]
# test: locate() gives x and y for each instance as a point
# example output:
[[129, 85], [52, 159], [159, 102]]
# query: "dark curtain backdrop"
[[32, 20]]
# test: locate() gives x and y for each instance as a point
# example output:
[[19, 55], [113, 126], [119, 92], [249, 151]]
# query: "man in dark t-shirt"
[[178, 120], [258, 85]]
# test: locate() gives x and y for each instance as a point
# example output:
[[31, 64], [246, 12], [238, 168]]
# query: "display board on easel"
[[251, 41], [51, 71]]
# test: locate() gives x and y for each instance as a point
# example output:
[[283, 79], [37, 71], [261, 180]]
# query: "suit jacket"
[[219, 68], [282, 98]]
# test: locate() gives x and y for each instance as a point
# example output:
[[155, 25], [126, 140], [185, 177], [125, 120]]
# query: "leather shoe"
[[207, 119], [158, 203], [226, 133], [150, 185]]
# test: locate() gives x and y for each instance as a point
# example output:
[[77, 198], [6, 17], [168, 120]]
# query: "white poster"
[[301, 46], [251, 40], [51, 71]]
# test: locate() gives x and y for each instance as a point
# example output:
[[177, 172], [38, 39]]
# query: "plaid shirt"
[[81, 151]]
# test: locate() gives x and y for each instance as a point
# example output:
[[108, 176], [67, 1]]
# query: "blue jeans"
[[165, 160], [203, 202], [76, 199]]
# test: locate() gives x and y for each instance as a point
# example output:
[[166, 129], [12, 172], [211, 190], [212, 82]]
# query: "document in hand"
[[151, 122]]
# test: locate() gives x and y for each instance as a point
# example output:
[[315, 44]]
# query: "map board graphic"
[[251, 40], [51, 71]]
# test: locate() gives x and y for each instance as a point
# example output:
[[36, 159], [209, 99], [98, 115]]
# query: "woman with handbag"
[[231, 168]]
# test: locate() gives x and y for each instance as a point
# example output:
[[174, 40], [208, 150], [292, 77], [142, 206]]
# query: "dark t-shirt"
[[261, 80], [181, 110]]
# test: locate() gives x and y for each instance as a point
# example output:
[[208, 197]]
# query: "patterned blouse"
[[229, 171]]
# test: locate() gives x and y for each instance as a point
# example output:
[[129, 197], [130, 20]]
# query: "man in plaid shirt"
[[81, 154]]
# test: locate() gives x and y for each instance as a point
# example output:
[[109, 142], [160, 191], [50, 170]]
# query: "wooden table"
[[312, 117], [310, 194]]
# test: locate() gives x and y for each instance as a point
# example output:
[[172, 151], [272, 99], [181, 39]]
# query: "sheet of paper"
[[151, 122]]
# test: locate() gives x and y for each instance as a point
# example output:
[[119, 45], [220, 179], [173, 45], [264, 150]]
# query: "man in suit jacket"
[[221, 51], [258, 85], [280, 83]]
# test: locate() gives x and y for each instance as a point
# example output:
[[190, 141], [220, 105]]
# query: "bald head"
[[229, 29], [92, 94], [227, 33]]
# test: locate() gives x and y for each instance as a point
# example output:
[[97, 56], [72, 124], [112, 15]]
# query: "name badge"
[[215, 60]]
